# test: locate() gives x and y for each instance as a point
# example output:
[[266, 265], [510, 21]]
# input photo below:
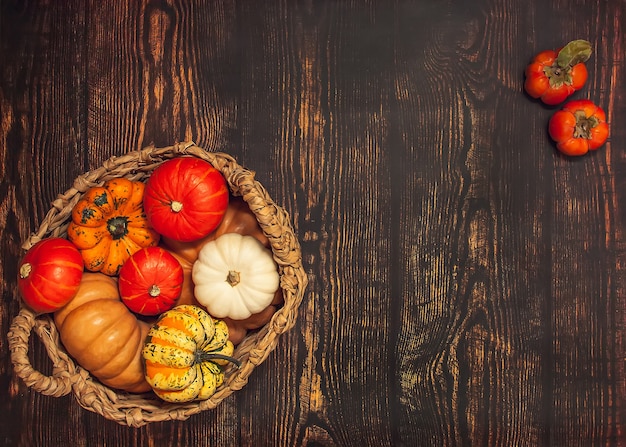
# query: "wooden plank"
[[35, 91], [465, 371], [159, 73], [310, 109]]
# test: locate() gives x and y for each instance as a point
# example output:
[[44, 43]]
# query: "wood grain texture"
[[467, 284]]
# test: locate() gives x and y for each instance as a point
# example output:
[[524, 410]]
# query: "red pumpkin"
[[150, 281], [185, 198], [49, 274]]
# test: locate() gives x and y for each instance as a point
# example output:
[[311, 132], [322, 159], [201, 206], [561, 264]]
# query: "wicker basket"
[[140, 409]]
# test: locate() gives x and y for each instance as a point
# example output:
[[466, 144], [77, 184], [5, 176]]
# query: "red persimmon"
[[580, 126], [554, 75], [150, 281], [49, 274]]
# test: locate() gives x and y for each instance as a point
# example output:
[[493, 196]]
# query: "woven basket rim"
[[136, 410]]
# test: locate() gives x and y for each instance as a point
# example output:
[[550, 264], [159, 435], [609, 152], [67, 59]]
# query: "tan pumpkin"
[[102, 335], [238, 329], [237, 219]]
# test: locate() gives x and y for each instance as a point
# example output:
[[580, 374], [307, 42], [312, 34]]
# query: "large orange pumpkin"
[[102, 335]]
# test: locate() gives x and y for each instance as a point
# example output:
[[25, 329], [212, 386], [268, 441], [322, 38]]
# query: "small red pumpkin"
[[150, 281], [49, 274], [185, 198]]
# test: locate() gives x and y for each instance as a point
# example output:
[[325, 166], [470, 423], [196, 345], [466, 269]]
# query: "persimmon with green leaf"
[[554, 75]]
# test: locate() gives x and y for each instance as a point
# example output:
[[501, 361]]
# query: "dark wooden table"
[[467, 282]]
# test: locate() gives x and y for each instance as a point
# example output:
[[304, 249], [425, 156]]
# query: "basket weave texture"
[[136, 410]]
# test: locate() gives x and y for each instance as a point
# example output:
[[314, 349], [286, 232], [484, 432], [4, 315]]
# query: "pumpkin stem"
[[118, 227], [25, 270], [208, 356], [154, 291], [233, 278], [176, 206]]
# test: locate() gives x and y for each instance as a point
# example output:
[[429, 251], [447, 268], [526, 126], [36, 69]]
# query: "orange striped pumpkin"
[[184, 353]]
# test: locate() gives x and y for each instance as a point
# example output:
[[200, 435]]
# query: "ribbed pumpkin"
[[102, 335], [109, 225], [185, 198], [49, 274], [150, 281], [184, 353], [235, 276]]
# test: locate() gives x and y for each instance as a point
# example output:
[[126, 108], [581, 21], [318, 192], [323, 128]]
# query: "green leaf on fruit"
[[573, 53]]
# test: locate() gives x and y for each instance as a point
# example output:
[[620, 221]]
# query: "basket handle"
[[60, 382]]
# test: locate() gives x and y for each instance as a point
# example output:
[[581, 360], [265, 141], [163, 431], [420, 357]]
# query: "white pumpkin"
[[234, 276]]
